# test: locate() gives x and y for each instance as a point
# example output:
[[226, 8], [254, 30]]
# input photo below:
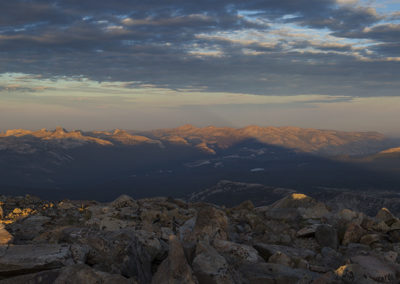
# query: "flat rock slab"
[[375, 268], [275, 273], [267, 250], [307, 232], [32, 258]]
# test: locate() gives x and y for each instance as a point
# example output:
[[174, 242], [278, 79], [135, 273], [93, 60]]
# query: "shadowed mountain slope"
[[307, 140], [59, 163]]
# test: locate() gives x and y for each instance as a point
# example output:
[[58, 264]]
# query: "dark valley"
[[178, 162]]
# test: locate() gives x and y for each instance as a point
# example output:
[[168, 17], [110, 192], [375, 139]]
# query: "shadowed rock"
[[163, 240], [175, 268], [15, 260]]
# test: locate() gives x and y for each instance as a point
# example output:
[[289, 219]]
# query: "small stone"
[[281, 258], [395, 225], [209, 266], [307, 231], [370, 239], [65, 205], [318, 268], [17, 211], [347, 215], [246, 205], [390, 256], [394, 236], [166, 233], [326, 278], [301, 263], [238, 253]]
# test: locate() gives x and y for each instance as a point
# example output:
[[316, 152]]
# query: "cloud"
[[384, 32], [19, 88], [272, 47]]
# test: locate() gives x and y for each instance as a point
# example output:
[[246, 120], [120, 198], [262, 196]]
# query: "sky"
[[100, 64]]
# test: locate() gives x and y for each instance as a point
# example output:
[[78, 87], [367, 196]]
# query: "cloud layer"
[[270, 47]]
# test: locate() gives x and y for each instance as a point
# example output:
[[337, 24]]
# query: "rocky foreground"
[[163, 240]]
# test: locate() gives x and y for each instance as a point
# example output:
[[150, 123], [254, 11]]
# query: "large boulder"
[[285, 214], [175, 268], [211, 223], [156, 248], [306, 206], [386, 216], [210, 267], [124, 201], [117, 252], [108, 218], [329, 258], [347, 215]]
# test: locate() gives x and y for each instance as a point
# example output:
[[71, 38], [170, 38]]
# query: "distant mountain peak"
[[60, 129], [391, 151], [118, 131], [17, 132], [58, 135], [124, 137], [187, 127]]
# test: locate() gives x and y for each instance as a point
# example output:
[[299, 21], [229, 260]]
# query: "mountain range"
[[179, 161], [209, 139]]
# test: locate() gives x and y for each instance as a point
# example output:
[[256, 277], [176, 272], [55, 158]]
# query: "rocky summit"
[[297, 239]]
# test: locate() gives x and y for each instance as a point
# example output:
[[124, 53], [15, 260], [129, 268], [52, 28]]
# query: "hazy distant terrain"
[[176, 162], [231, 194]]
